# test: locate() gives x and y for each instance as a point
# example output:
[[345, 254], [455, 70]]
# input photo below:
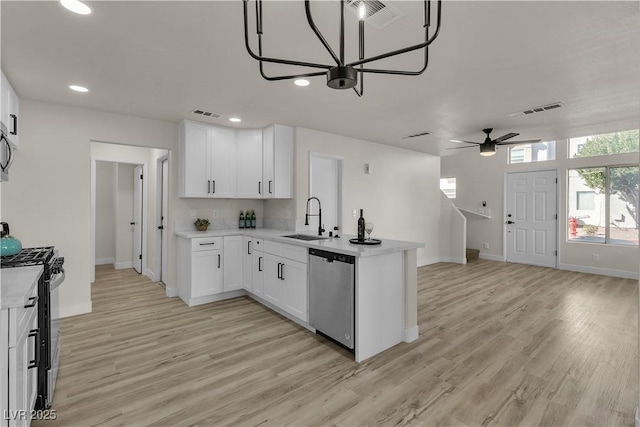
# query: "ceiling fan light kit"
[[342, 74], [488, 146]]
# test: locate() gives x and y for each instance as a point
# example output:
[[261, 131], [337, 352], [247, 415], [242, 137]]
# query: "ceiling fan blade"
[[505, 137], [468, 142], [458, 148], [527, 141]]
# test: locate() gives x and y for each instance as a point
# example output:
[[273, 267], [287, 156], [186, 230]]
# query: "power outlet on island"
[[595, 257], [485, 245]]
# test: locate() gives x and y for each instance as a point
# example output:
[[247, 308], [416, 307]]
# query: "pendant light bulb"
[[362, 11]]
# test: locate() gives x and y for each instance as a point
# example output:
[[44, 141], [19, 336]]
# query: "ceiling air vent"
[[379, 14], [207, 114], [536, 109], [416, 135]]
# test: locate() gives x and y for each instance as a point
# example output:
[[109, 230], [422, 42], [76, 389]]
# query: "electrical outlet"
[[194, 214], [215, 214], [355, 213], [595, 257], [485, 245], [288, 214]]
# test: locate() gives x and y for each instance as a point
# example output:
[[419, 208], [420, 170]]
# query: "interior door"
[[164, 235], [137, 218], [531, 218]]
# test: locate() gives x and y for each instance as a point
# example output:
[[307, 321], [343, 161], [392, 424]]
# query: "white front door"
[[164, 251], [531, 218], [137, 218]]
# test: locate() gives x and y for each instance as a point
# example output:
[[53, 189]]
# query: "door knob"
[[160, 227], [510, 222], [132, 223]]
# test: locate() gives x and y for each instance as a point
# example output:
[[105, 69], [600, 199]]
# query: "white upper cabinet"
[[207, 161], [249, 161], [277, 162], [243, 164], [9, 111]]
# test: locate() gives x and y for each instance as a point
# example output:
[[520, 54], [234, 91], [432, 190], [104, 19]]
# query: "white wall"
[[105, 214], [397, 197], [482, 179]]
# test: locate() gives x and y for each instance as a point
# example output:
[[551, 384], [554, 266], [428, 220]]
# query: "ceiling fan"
[[488, 147]]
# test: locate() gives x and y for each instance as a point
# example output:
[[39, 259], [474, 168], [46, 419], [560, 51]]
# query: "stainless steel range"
[[48, 313]]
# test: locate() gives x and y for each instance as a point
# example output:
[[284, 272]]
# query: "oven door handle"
[[58, 280]]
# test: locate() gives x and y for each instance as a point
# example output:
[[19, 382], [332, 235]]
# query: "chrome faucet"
[[319, 215]]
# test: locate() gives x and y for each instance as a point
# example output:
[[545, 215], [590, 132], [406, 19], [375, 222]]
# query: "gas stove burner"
[[27, 257]]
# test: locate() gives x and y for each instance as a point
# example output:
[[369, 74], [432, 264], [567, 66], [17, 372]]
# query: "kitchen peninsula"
[[222, 264]]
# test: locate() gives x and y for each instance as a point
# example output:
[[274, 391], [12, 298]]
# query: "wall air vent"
[[207, 114], [379, 14], [536, 109], [416, 135]]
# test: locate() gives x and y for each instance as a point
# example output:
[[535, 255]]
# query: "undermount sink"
[[305, 237]]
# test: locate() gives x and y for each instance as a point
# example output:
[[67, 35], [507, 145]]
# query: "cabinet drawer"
[[273, 248], [206, 244], [257, 245], [23, 318], [296, 253]]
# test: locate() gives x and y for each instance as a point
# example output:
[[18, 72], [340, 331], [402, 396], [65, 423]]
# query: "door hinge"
[[556, 180], [141, 176], [556, 253], [556, 217], [140, 256]]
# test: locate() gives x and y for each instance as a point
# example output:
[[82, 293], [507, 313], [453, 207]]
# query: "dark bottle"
[[253, 219], [361, 227], [241, 220]]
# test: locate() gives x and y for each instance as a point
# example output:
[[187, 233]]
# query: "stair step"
[[472, 254]]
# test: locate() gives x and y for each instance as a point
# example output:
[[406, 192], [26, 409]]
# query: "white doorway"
[[325, 183], [531, 218], [138, 215], [162, 213]]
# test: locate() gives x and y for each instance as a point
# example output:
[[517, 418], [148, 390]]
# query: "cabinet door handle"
[[214, 186], [282, 272], [15, 124], [218, 260], [207, 244], [34, 301], [278, 270], [249, 247], [270, 187], [260, 263], [208, 186], [259, 187], [35, 333]]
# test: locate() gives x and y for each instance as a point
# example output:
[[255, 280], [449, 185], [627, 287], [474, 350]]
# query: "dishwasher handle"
[[330, 257]]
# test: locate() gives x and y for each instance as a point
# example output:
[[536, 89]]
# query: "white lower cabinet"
[[19, 379], [285, 280], [295, 299], [233, 265], [200, 269], [273, 284], [247, 263]]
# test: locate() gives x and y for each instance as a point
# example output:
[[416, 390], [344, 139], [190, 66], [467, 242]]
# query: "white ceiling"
[[163, 59]]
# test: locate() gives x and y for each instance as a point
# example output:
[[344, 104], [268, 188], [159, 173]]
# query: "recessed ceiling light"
[[76, 6], [301, 82], [78, 88], [235, 119]]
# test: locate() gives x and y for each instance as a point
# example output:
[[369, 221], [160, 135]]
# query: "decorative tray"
[[365, 242]]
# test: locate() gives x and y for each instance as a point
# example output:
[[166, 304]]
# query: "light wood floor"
[[500, 344]]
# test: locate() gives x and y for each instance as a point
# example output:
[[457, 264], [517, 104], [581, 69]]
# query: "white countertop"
[[340, 245], [17, 284]]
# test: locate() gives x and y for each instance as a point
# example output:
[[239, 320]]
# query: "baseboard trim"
[[171, 292], [491, 257], [123, 265], [213, 298], [103, 261], [75, 309], [428, 261], [151, 275], [600, 271], [410, 334], [280, 311]]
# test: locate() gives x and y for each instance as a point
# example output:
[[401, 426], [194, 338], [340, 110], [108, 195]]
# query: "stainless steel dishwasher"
[[332, 295]]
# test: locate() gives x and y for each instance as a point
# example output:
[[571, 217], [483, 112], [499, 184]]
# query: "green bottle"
[[253, 219], [241, 220]]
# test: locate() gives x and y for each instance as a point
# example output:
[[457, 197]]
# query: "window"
[[529, 153], [448, 187], [603, 205], [605, 144], [586, 200]]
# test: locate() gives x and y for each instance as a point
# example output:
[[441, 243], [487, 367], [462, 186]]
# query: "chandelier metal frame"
[[342, 74]]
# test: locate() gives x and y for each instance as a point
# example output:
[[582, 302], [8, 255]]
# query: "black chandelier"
[[342, 75]]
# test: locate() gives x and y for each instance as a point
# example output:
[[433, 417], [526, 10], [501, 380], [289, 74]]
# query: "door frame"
[[161, 274], [340, 161], [143, 223], [504, 211], [145, 192]]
